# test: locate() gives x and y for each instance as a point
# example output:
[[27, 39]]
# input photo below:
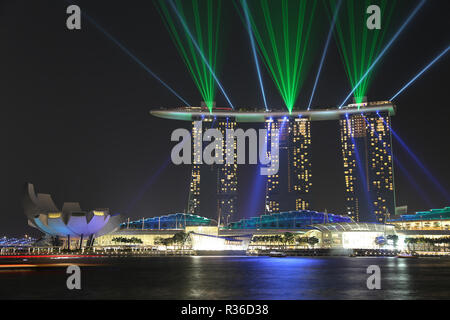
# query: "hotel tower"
[[227, 177], [290, 187], [368, 171], [226, 173]]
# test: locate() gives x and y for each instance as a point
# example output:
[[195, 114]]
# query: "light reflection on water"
[[235, 277]]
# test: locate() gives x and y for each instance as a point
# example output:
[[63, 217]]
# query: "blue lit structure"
[[70, 221], [433, 214], [17, 242], [171, 221], [303, 219]]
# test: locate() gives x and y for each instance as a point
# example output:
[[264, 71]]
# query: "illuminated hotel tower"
[[368, 171], [300, 174], [194, 187], [289, 188], [227, 177], [381, 170], [273, 179], [226, 173]]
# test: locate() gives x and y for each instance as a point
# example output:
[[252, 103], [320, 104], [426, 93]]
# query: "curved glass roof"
[[354, 226], [433, 214], [171, 221], [288, 220]]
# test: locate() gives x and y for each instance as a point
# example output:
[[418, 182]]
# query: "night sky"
[[75, 118]]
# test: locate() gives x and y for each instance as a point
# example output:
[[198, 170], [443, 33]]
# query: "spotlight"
[[418, 162], [402, 168], [327, 43], [421, 72], [255, 56], [197, 47], [396, 35], [132, 56]]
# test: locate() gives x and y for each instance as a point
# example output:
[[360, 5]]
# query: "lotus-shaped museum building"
[[70, 221]]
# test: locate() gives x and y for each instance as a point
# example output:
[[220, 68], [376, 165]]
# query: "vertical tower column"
[[300, 166], [368, 168], [194, 187], [353, 145], [290, 187], [227, 176], [381, 177], [273, 180]]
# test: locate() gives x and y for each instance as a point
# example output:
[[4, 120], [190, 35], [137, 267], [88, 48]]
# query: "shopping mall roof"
[[302, 219], [171, 221], [354, 226]]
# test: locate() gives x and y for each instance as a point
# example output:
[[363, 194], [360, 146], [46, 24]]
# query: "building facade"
[[366, 145], [290, 187], [273, 188], [353, 130], [381, 169], [227, 176], [435, 219], [299, 163], [194, 186]]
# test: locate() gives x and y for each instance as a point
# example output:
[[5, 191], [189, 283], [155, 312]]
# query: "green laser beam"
[[358, 46], [203, 17], [283, 30]]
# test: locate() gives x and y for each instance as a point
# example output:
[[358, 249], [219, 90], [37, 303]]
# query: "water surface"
[[233, 277]]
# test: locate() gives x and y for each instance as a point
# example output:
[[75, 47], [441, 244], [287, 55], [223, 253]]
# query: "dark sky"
[[75, 108]]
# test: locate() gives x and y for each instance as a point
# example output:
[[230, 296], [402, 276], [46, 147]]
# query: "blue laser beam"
[[414, 183], [359, 164], [132, 56], [421, 72], [388, 45], [255, 56], [147, 185], [418, 162], [213, 122], [325, 50], [202, 55], [255, 200], [401, 167]]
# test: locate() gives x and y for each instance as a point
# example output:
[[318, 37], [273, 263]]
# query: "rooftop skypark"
[[260, 115]]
